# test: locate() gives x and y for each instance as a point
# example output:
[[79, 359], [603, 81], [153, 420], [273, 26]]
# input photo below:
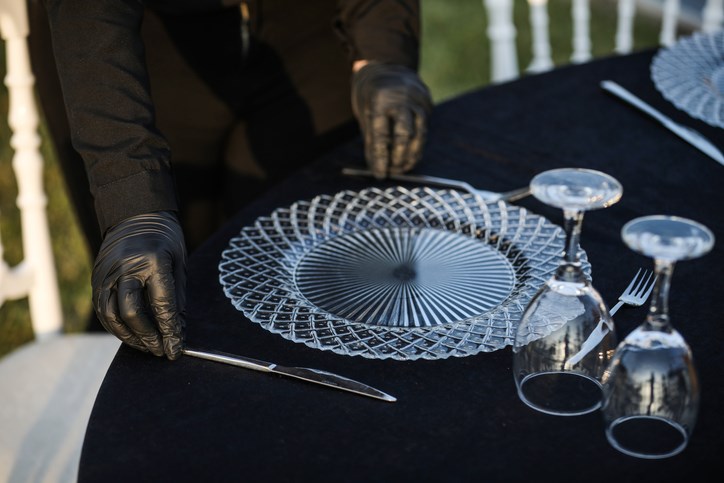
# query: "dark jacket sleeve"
[[387, 31], [101, 66]]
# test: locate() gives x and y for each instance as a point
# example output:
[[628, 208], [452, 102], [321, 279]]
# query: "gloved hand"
[[392, 105], [139, 281]]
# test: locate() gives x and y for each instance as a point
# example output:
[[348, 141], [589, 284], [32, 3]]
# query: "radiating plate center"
[[404, 277]]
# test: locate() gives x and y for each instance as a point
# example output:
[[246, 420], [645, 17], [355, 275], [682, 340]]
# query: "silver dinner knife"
[[689, 135], [306, 374], [449, 183]]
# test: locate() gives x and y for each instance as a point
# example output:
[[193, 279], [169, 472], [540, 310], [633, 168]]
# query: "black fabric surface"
[[457, 419]]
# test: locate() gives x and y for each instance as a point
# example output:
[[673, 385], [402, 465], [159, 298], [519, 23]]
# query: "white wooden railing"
[[34, 277], [501, 32]]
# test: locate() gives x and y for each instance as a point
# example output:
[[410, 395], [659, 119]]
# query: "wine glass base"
[[648, 437], [561, 393]]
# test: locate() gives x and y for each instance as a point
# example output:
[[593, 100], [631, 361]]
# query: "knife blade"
[[304, 373], [687, 134]]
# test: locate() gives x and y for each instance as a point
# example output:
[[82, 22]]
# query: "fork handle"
[[515, 195], [423, 178], [615, 308]]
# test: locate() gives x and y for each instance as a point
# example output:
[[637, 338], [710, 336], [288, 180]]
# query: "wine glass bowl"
[[566, 337], [651, 388], [667, 237], [576, 189]]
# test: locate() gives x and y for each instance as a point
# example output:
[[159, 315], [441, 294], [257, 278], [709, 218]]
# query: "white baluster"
[[542, 60], [501, 33], [669, 22], [14, 282], [36, 274], [624, 29], [712, 16], [5, 283], [581, 34]]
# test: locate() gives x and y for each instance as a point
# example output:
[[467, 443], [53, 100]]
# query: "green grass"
[[454, 59], [456, 53]]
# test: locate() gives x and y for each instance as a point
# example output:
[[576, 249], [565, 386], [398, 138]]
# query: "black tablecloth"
[[457, 419]]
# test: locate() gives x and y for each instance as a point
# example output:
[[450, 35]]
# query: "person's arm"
[[105, 85], [139, 273], [390, 101], [387, 32]]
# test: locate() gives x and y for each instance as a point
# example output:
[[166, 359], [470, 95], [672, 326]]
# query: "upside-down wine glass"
[[566, 336], [651, 389]]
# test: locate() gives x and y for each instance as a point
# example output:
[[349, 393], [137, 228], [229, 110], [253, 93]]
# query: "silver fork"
[[637, 291], [513, 195], [635, 294]]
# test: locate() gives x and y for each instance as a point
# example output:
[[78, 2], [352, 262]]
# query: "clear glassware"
[[566, 337], [651, 388]]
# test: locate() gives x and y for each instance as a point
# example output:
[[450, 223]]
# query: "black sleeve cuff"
[[387, 32], [143, 192]]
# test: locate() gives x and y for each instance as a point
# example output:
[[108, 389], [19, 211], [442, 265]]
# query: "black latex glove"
[[139, 281], [392, 106]]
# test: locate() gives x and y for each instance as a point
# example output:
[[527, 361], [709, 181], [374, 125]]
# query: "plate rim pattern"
[[679, 74]]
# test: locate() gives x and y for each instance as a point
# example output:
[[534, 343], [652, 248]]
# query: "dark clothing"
[[179, 83]]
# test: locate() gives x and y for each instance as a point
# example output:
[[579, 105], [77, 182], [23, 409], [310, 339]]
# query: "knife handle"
[[239, 361]]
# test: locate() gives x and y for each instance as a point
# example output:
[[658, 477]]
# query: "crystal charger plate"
[[398, 273], [690, 74]]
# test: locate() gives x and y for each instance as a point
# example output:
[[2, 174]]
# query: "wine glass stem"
[[659, 309], [573, 223]]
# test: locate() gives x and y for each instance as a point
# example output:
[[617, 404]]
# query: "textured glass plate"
[[690, 74], [402, 274]]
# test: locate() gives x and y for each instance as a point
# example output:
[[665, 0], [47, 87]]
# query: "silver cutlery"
[[689, 135], [634, 294], [449, 183], [304, 373], [637, 291]]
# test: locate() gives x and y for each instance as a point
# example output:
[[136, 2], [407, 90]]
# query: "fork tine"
[[651, 287], [642, 283], [629, 289]]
